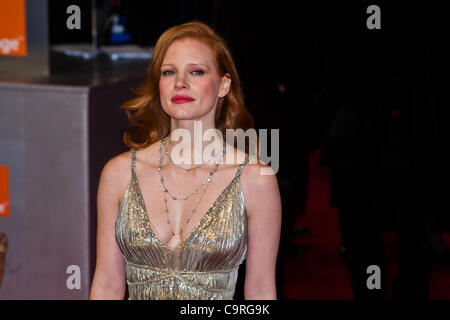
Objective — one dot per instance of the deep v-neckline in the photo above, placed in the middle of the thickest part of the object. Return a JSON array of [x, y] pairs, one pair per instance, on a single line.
[[182, 243]]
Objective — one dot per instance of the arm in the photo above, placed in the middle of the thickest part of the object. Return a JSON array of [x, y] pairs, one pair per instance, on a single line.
[[263, 207], [109, 276]]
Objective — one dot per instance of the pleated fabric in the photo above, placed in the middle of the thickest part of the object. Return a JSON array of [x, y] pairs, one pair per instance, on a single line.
[[203, 267]]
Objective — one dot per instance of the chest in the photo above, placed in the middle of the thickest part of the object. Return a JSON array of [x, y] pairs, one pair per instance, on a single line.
[[218, 238], [174, 207]]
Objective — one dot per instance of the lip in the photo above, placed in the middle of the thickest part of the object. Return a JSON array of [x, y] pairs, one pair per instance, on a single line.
[[182, 99]]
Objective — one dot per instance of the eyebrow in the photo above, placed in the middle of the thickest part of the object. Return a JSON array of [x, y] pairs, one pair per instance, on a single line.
[[189, 64]]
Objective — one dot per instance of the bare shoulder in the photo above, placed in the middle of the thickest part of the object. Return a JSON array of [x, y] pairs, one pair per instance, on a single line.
[[260, 187], [116, 174], [118, 165], [258, 175]]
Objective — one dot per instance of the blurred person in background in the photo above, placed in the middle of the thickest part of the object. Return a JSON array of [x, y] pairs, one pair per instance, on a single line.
[[382, 149]]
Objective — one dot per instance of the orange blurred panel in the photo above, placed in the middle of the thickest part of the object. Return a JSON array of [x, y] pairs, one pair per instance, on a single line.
[[13, 38], [4, 192]]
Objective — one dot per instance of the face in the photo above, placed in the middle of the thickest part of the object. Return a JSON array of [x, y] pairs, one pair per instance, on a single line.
[[190, 84]]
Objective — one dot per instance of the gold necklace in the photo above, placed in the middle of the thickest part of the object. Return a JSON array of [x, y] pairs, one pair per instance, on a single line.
[[204, 186]]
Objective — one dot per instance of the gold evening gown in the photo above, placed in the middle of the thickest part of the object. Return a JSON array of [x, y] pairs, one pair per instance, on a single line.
[[203, 267]]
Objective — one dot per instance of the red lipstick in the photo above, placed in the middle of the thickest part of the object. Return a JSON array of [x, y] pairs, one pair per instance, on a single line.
[[182, 99]]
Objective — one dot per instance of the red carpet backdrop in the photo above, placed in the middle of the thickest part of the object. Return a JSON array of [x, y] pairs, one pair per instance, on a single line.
[[321, 273]]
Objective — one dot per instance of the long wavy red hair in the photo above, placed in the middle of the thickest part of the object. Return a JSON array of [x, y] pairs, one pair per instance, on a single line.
[[147, 119]]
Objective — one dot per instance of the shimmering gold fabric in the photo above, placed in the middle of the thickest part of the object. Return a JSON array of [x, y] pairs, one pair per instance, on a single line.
[[203, 267]]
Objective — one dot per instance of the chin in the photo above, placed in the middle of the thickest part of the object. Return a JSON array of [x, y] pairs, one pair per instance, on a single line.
[[184, 117], [181, 113]]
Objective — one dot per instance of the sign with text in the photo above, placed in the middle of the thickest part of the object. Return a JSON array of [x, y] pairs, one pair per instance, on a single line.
[[13, 38], [4, 192]]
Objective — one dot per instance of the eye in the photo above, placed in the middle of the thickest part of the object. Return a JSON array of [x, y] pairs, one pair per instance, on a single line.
[[165, 73], [198, 72]]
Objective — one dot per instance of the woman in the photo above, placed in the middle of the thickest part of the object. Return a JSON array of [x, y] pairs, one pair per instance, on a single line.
[[177, 230]]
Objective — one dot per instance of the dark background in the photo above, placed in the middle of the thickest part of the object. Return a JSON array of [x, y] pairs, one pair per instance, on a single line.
[[372, 100], [298, 60]]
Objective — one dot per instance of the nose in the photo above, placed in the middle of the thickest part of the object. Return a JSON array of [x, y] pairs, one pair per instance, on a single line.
[[180, 83]]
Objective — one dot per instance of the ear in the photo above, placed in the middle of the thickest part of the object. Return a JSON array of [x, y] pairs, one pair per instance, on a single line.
[[225, 86]]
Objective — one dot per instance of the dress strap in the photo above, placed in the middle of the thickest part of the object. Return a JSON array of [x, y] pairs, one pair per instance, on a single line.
[[133, 160], [239, 171]]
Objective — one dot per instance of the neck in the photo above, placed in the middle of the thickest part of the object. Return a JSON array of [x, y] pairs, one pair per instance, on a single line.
[[194, 142]]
